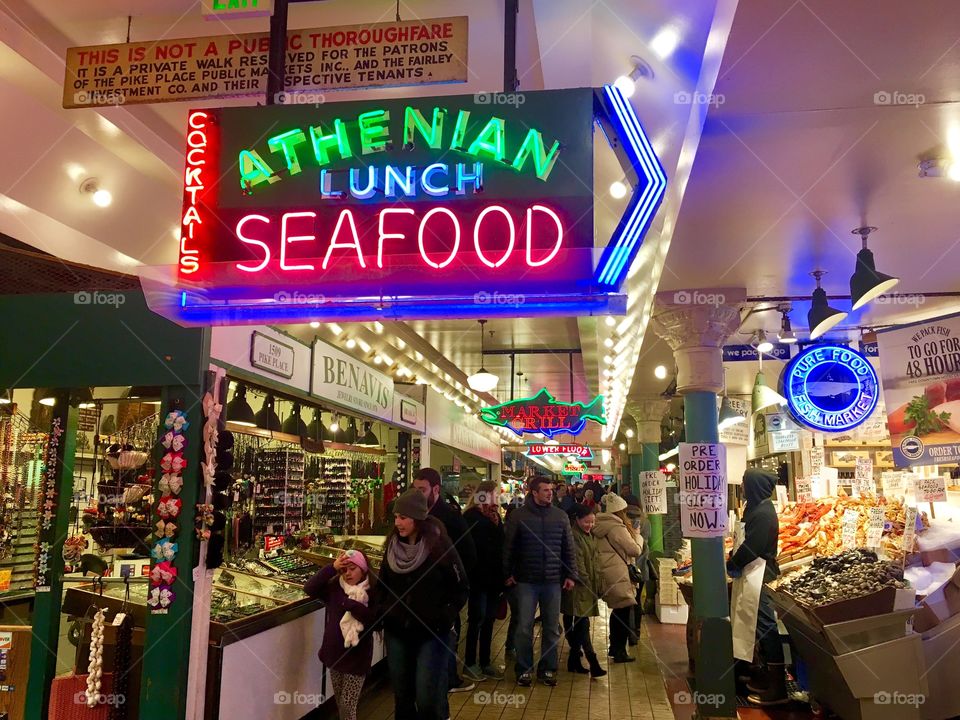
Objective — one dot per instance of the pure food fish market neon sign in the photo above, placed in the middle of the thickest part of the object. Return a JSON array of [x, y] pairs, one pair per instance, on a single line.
[[411, 208]]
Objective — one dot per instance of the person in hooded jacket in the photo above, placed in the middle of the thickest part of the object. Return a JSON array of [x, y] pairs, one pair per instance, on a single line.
[[421, 589], [619, 547], [580, 604], [761, 529]]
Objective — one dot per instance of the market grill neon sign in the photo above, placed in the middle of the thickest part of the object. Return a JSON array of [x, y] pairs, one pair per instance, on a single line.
[[544, 414]]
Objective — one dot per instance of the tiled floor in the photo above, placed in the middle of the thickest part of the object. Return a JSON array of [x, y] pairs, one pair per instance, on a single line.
[[630, 690]]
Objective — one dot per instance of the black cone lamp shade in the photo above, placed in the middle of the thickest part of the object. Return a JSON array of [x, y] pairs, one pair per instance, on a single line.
[[351, 432], [368, 439], [239, 410], [866, 283], [266, 417], [822, 317], [315, 431], [294, 424]]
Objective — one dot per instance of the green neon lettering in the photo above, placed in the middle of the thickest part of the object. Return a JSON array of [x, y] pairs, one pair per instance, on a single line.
[[459, 130], [373, 131], [337, 138], [533, 147], [489, 141], [253, 170], [218, 5], [413, 120], [287, 144]]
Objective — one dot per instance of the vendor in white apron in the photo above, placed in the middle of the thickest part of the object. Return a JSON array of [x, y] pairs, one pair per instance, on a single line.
[[752, 565]]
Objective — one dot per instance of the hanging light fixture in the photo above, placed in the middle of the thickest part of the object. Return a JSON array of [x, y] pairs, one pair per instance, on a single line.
[[786, 334], [368, 439], [239, 410], [728, 417], [351, 432], [6, 397], [316, 430], [482, 380], [293, 424], [762, 344], [822, 317], [763, 395], [266, 417], [866, 283]]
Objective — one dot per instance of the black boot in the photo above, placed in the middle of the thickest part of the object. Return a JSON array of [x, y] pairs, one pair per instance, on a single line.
[[574, 665], [622, 657], [775, 693], [595, 669]]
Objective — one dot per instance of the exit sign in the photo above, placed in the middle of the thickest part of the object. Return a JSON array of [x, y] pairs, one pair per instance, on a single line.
[[236, 8]]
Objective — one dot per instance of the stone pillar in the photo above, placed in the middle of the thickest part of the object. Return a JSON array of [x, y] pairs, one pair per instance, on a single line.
[[644, 449], [696, 332]]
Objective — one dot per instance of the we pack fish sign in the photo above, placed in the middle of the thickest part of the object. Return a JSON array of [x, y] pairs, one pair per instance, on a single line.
[[544, 414], [460, 206]]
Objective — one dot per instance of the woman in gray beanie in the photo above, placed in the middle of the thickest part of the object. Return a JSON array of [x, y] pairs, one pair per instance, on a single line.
[[422, 587]]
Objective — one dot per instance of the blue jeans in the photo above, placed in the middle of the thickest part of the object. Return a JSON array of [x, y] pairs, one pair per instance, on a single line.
[[547, 596], [418, 673], [514, 614], [481, 612]]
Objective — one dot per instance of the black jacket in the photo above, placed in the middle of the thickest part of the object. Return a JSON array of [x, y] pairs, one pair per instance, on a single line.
[[487, 537], [426, 599], [760, 524], [538, 545], [597, 490], [456, 527]]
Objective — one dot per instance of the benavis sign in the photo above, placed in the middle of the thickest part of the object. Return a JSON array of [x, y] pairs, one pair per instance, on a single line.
[[431, 207]]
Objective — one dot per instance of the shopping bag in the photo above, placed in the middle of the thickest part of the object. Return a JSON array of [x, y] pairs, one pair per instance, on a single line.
[[743, 609]]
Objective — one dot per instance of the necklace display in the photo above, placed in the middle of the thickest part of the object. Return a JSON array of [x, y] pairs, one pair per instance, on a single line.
[[95, 667], [45, 510]]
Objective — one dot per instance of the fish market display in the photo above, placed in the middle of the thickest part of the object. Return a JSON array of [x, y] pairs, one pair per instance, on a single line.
[[850, 574]]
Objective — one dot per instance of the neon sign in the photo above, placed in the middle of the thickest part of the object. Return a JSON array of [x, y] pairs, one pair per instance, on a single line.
[[540, 449], [404, 209], [831, 388], [573, 467], [545, 415]]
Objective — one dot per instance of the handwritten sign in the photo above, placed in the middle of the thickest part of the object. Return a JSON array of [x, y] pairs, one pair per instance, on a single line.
[[851, 519], [876, 521], [863, 477], [931, 489], [893, 483], [909, 530], [804, 489], [703, 490], [653, 491]]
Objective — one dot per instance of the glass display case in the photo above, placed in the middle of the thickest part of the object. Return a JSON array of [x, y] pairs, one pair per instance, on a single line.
[[238, 595], [370, 545]]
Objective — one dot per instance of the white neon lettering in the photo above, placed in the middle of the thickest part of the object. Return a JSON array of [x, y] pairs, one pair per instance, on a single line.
[[253, 241], [389, 236], [193, 116], [334, 243], [284, 239], [428, 187], [194, 163], [456, 239], [476, 235], [192, 183], [192, 140], [556, 248], [370, 189], [407, 182]]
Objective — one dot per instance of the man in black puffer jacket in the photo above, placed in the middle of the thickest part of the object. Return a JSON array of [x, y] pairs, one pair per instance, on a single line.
[[761, 529], [538, 557]]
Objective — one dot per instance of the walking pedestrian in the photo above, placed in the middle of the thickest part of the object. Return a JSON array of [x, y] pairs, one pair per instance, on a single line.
[[641, 525], [538, 558], [580, 604], [427, 481], [422, 588], [347, 647], [619, 548], [485, 527]]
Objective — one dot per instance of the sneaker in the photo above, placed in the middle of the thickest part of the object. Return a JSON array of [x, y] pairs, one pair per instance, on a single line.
[[525, 679], [492, 672], [473, 673], [548, 678], [462, 685]]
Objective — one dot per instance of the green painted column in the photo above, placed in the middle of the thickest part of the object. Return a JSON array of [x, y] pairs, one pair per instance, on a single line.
[[647, 411], [696, 325], [46, 608], [649, 459]]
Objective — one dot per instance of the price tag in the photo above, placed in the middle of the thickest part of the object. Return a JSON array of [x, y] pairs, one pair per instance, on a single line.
[[804, 489], [851, 519], [816, 460], [909, 530], [893, 483], [782, 498], [875, 524], [863, 478], [931, 489]]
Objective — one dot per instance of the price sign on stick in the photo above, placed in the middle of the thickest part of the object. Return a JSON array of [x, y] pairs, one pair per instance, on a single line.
[[804, 489], [851, 519], [863, 478], [875, 524], [909, 532]]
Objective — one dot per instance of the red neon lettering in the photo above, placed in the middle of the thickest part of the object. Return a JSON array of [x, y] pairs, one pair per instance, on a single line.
[[456, 240], [284, 239], [348, 216], [253, 241], [389, 236], [556, 248], [476, 235]]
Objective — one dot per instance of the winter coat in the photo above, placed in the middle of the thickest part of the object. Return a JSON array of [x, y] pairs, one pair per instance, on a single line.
[[487, 537], [357, 659], [567, 502], [538, 545], [426, 599], [456, 528], [582, 600], [761, 526], [618, 546]]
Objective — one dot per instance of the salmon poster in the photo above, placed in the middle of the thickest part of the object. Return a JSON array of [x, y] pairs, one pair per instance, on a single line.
[[920, 367]]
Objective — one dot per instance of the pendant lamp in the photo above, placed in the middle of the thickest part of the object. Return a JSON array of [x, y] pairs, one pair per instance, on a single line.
[[239, 410], [786, 334], [315, 428], [351, 432], [482, 380], [763, 395], [6, 397], [866, 283], [266, 417], [822, 317], [293, 424], [368, 439], [728, 417]]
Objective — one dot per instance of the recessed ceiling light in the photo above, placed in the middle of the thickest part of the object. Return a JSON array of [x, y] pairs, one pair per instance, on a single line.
[[314, 324], [665, 42], [660, 372], [618, 189]]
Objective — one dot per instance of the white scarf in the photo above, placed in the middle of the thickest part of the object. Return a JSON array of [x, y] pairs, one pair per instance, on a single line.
[[349, 625]]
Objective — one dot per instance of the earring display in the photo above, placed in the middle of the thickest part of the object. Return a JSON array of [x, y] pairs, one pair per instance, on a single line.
[[278, 497]]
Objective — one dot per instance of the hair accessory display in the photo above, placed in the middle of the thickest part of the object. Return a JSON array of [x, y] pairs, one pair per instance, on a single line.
[[163, 574], [174, 441], [169, 507], [165, 550], [161, 597], [171, 484], [73, 548], [176, 420], [173, 462], [165, 529], [95, 666]]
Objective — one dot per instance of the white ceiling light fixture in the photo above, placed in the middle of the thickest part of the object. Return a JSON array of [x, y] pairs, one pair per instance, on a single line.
[[314, 324], [608, 343], [99, 196], [627, 84], [610, 321], [763, 345], [786, 334], [618, 189], [665, 42], [660, 372], [483, 380], [351, 343]]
